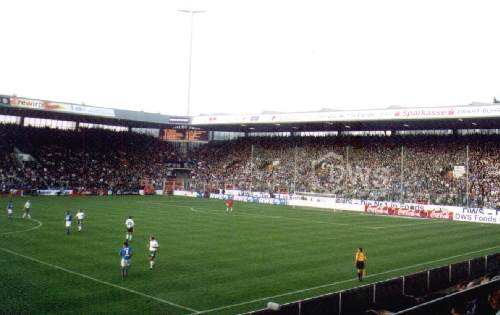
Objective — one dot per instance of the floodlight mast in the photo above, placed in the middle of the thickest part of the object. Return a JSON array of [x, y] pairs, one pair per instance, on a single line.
[[192, 13]]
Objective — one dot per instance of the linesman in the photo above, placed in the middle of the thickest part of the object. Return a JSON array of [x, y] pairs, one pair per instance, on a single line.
[[360, 261]]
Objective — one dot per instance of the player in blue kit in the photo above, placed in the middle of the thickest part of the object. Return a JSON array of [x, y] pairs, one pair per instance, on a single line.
[[10, 210], [126, 255], [68, 219]]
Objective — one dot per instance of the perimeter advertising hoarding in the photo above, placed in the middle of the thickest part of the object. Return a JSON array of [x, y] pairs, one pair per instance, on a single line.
[[479, 215], [252, 199], [450, 112], [454, 213], [60, 107]]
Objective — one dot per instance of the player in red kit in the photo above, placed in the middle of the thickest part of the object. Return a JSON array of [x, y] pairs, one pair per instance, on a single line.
[[229, 205]]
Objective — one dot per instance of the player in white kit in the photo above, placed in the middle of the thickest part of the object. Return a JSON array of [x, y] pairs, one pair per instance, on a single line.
[[129, 223], [80, 215], [27, 210], [153, 250]]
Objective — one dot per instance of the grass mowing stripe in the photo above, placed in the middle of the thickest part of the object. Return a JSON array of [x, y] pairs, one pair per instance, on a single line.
[[436, 221], [358, 215], [408, 225], [343, 281], [209, 258], [99, 281], [241, 214]]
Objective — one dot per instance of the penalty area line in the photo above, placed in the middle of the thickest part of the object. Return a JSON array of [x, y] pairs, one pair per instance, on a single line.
[[341, 282], [100, 281]]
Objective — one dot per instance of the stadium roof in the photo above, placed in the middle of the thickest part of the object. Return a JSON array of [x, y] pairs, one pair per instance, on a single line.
[[472, 116], [13, 105]]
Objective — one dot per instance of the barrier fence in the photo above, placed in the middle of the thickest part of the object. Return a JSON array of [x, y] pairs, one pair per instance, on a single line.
[[397, 294], [445, 303]]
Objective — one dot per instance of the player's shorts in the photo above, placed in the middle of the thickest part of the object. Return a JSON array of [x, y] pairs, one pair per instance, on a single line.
[[152, 254], [68, 223], [80, 222], [130, 230], [125, 263], [9, 211], [360, 265], [27, 210]]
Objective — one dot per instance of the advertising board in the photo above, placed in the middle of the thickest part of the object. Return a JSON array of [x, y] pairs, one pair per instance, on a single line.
[[423, 113], [21, 102]]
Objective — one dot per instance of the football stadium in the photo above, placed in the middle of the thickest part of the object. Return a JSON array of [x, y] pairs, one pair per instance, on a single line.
[[221, 157], [379, 211]]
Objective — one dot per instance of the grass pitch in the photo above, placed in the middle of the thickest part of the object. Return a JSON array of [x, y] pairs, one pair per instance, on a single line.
[[209, 262]]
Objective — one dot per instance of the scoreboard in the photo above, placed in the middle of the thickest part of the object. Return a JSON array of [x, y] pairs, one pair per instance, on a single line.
[[198, 135], [171, 134]]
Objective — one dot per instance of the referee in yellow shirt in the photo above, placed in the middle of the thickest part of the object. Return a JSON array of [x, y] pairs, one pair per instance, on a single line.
[[360, 261]]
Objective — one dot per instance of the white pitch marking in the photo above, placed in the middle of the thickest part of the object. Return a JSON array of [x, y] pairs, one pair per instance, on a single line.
[[99, 281], [30, 229], [436, 221], [341, 282], [40, 224], [344, 212], [242, 214]]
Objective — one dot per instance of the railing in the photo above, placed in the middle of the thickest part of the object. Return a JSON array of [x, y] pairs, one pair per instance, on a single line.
[[395, 294], [445, 303]]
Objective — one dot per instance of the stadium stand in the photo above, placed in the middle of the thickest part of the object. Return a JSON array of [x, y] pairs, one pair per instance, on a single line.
[[94, 160], [88, 160], [356, 167]]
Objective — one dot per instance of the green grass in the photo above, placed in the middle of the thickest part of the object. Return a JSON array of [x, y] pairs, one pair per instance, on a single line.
[[209, 259]]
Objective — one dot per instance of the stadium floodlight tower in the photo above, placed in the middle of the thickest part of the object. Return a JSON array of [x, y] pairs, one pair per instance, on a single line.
[[192, 13]]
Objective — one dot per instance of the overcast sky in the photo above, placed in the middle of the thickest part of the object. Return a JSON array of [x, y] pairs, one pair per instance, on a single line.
[[251, 55]]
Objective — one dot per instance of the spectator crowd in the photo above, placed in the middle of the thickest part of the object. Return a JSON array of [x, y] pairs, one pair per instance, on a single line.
[[88, 160], [410, 168], [424, 169]]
